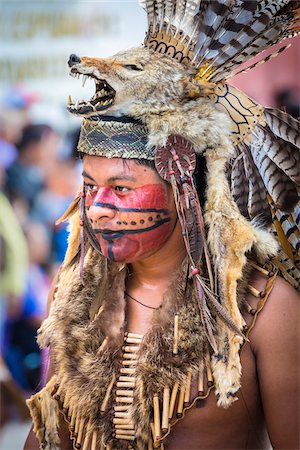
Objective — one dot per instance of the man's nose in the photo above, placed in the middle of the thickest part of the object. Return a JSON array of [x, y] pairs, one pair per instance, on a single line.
[[100, 212], [74, 59]]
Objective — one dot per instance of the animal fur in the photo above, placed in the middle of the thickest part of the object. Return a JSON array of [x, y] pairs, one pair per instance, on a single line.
[[80, 319]]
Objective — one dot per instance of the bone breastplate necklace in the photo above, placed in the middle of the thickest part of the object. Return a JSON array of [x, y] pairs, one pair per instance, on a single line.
[[123, 425]]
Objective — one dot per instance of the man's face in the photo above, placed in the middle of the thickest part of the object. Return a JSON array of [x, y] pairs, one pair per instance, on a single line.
[[130, 208]]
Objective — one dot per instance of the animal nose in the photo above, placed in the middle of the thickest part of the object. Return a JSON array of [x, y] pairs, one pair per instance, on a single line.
[[74, 59]]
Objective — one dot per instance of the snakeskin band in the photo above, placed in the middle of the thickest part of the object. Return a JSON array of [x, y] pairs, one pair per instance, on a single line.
[[115, 137]]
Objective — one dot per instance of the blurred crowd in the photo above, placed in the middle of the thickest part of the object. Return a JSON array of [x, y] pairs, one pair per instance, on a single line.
[[39, 177]]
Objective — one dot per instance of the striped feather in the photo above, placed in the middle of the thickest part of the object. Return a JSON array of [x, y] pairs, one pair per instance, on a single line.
[[289, 270], [241, 30], [212, 20], [190, 13], [279, 186], [258, 205], [261, 61], [240, 184], [290, 229], [283, 125], [296, 213], [234, 57], [285, 155]]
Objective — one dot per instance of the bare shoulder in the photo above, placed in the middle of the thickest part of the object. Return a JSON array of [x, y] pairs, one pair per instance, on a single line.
[[280, 317], [275, 343]]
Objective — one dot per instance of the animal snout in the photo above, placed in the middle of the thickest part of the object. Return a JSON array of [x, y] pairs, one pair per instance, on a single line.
[[74, 59]]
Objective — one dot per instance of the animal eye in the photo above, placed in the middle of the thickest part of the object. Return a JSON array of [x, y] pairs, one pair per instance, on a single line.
[[133, 67]]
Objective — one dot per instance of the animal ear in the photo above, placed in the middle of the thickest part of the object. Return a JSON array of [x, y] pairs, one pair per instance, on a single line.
[[195, 87]]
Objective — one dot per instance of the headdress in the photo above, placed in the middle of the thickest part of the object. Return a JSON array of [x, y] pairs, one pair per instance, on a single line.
[[168, 101]]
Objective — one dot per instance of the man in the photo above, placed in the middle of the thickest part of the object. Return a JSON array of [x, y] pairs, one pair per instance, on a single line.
[[153, 309]]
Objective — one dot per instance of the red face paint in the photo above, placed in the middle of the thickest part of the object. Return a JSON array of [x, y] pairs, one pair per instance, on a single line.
[[133, 225]]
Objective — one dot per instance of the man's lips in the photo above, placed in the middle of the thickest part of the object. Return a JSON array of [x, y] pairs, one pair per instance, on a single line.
[[109, 235]]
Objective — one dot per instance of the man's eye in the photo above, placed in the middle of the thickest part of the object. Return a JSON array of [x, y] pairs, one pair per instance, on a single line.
[[121, 189], [91, 188]]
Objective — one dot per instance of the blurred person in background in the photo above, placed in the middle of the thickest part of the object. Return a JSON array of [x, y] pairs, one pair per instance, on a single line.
[[289, 100], [13, 267], [20, 99], [22, 354], [26, 176], [61, 182], [11, 125]]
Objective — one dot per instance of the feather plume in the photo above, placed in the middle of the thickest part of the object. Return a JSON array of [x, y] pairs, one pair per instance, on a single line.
[[280, 187], [260, 62], [194, 229], [240, 184], [290, 229], [219, 309], [285, 155], [257, 201], [283, 126]]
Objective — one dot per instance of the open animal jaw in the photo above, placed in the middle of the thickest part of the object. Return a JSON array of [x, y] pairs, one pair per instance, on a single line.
[[102, 99], [129, 83]]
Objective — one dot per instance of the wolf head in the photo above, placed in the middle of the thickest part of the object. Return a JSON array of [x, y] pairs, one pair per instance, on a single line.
[[135, 82]]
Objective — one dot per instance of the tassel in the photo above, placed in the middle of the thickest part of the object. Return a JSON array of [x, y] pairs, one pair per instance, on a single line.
[[188, 388], [107, 394], [200, 379], [181, 400], [87, 437], [205, 315], [94, 441], [82, 215], [165, 414], [175, 344], [173, 399], [157, 430], [210, 380], [80, 433]]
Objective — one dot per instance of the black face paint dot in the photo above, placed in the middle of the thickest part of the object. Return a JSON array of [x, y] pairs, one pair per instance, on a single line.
[[142, 221], [119, 223], [133, 223], [158, 216], [125, 223], [150, 219]]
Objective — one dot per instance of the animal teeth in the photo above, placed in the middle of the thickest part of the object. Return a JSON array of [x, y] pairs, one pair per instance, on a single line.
[[77, 104], [84, 78], [105, 103], [70, 100]]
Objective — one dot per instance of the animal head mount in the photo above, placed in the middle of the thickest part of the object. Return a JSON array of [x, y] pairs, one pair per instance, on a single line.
[[135, 82]]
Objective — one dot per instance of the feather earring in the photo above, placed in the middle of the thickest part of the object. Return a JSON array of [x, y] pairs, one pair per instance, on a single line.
[[176, 164], [82, 215]]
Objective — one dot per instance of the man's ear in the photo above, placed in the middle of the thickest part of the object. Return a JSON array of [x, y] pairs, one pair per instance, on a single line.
[[195, 87]]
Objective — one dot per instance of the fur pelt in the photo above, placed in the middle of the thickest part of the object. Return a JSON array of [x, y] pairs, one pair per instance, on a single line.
[[80, 320]]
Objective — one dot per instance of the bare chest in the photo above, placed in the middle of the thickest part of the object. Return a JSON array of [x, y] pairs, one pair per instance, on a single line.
[[241, 426]]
